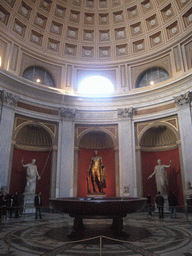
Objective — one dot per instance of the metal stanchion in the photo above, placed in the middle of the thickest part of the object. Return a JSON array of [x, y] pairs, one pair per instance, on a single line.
[[100, 245]]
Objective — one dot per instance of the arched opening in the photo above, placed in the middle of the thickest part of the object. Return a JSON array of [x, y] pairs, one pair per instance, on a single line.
[[160, 142], [101, 141], [39, 75], [152, 76], [32, 142]]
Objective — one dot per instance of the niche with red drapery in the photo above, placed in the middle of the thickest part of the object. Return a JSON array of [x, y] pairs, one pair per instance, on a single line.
[[33, 141], [102, 142], [160, 142], [18, 174]]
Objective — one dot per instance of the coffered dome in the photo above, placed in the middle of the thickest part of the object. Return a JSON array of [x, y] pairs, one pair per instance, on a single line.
[[96, 30]]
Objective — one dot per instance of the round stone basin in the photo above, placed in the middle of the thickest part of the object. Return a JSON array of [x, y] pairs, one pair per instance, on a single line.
[[98, 206]]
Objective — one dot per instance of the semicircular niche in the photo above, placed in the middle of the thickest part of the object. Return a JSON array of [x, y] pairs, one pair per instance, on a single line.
[[34, 136], [158, 136], [96, 140]]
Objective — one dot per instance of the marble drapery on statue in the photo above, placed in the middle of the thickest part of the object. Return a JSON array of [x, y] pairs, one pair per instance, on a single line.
[[98, 174], [161, 177], [31, 176]]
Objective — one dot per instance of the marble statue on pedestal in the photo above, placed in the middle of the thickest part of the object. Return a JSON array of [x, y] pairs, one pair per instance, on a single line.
[[31, 176], [161, 177]]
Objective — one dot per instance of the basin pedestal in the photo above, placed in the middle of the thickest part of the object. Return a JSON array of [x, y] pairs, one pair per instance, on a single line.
[[115, 208]]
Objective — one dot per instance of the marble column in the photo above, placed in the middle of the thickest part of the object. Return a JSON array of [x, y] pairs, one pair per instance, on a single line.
[[139, 172], [75, 178], [53, 172], [8, 103], [65, 160], [185, 125], [126, 152], [117, 183]]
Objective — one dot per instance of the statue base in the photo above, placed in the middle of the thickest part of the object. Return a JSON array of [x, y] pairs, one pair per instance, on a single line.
[[100, 194], [29, 202]]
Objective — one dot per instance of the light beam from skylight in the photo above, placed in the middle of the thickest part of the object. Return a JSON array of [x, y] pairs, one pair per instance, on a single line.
[[96, 86]]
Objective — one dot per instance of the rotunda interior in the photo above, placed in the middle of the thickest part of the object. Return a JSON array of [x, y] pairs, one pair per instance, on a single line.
[[49, 47]]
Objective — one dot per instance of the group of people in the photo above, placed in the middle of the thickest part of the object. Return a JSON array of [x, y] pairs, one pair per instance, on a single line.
[[11, 204], [160, 201]]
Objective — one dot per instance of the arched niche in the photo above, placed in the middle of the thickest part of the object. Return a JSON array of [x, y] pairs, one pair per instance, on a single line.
[[104, 139], [160, 140], [32, 140]]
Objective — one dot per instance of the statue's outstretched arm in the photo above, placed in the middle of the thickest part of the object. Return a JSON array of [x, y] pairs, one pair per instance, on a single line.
[[150, 176], [38, 176], [167, 166]]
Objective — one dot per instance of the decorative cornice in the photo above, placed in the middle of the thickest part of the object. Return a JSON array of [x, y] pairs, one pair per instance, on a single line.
[[8, 99], [183, 99], [67, 113], [125, 112]]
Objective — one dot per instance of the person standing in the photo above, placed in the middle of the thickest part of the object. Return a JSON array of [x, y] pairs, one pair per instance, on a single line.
[[16, 204], [149, 205], [173, 202], [159, 199], [38, 205], [4, 203]]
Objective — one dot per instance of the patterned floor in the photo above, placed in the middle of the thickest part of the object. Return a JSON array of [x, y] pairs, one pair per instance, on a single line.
[[49, 236]]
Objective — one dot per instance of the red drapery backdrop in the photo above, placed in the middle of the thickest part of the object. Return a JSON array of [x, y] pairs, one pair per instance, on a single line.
[[85, 156], [18, 174], [149, 160]]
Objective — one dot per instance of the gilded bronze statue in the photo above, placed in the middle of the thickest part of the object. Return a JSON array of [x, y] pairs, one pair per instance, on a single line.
[[98, 174]]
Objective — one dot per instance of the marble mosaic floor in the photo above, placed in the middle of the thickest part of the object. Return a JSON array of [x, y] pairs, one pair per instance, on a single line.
[[49, 236]]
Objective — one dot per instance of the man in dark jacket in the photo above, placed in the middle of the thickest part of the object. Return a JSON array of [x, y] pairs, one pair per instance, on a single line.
[[172, 199], [38, 205], [16, 204], [159, 199]]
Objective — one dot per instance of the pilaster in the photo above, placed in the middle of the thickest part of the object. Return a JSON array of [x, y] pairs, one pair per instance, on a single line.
[[185, 125], [8, 103], [65, 166], [126, 156]]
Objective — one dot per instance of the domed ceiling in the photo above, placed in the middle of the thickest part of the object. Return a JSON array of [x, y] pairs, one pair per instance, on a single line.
[[96, 30]]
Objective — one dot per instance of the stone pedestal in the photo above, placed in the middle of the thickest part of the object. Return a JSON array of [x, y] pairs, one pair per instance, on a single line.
[[100, 194], [29, 202]]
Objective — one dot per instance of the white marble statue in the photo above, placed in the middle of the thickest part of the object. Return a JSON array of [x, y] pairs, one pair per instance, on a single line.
[[161, 177], [31, 176], [188, 190]]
